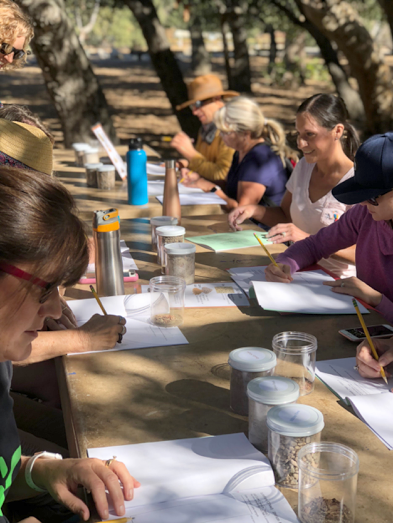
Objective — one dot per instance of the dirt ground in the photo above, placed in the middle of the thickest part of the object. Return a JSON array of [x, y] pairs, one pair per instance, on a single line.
[[139, 104]]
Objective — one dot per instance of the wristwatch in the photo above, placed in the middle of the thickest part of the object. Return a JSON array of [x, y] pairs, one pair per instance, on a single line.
[[30, 465], [215, 188]]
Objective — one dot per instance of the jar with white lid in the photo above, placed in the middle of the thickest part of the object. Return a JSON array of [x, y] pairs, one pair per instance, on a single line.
[[167, 234], [106, 177], [79, 149], [246, 364], [290, 427], [160, 221], [91, 155], [264, 394], [91, 173], [180, 261]]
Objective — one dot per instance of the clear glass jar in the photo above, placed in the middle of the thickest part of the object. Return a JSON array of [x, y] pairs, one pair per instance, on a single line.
[[167, 234], [296, 354], [167, 300], [327, 483], [79, 149], [290, 428], [91, 173], [264, 394], [246, 364], [180, 261], [106, 177], [160, 221]]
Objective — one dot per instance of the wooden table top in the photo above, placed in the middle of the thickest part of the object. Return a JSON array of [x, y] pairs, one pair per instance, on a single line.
[[177, 392]]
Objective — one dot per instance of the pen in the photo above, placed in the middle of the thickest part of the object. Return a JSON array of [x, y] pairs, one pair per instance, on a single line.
[[267, 252], [98, 300], [370, 341]]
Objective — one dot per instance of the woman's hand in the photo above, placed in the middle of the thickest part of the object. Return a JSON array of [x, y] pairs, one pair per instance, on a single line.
[[356, 288], [101, 332], [286, 232], [62, 478], [281, 274], [188, 177], [238, 215], [368, 366], [192, 179], [66, 321]]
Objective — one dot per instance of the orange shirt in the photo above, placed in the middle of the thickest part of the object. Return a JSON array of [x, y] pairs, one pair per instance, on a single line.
[[214, 160]]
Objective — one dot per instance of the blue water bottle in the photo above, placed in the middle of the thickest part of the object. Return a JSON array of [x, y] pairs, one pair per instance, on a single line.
[[136, 173]]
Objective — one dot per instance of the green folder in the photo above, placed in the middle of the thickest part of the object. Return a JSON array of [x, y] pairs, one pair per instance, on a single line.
[[229, 241]]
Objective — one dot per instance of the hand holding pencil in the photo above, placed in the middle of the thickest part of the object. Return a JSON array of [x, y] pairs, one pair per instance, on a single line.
[[368, 366], [277, 272]]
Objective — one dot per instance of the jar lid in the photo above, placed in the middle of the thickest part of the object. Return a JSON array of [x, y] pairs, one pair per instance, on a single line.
[[163, 220], [295, 420], [170, 230], [180, 248], [273, 390], [91, 150], [252, 359], [93, 165], [106, 168], [80, 146]]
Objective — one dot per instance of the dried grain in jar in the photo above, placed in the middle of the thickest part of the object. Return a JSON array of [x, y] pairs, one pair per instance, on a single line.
[[160, 221], [91, 173], [168, 234], [180, 261]]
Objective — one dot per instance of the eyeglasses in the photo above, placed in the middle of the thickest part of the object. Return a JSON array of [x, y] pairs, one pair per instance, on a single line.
[[200, 103], [23, 275], [225, 133], [8, 49], [373, 201]]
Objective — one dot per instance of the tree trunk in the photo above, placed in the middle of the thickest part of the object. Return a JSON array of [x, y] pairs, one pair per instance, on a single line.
[[338, 21], [294, 58], [224, 30], [69, 77], [164, 62], [273, 48], [200, 58], [387, 6], [241, 71]]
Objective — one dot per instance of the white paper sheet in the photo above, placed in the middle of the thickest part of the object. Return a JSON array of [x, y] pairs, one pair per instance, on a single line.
[[205, 198], [376, 411], [155, 169], [156, 188], [140, 333], [171, 470], [127, 259], [305, 298], [342, 378], [224, 294], [243, 276]]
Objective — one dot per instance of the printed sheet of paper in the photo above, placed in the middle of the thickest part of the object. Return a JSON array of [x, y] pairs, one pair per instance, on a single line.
[[342, 378], [376, 411], [140, 333], [114, 156], [243, 276], [196, 198], [156, 169], [223, 294], [228, 241], [171, 470], [304, 298], [127, 259]]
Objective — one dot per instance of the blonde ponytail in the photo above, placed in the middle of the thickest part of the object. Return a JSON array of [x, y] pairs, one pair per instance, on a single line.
[[274, 135]]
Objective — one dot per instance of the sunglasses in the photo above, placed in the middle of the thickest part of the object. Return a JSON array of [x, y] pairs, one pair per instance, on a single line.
[[48, 288], [373, 201], [8, 49], [200, 103]]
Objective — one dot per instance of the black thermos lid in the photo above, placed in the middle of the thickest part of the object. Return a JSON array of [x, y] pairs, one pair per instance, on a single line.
[[135, 143]]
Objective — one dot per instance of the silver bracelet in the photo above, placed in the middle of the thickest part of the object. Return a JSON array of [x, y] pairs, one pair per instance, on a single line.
[[30, 465]]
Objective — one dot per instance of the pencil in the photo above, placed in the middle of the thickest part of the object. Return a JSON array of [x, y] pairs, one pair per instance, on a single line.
[[267, 252], [98, 300], [182, 180], [121, 520], [166, 138], [370, 341]]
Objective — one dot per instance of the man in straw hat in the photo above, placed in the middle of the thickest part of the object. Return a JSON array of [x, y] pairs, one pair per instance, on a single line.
[[210, 157]]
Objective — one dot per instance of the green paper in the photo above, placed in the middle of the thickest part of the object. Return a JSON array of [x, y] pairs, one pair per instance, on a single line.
[[229, 241]]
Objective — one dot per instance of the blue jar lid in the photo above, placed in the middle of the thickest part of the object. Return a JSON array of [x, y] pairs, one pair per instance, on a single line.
[[273, 390], [295, 420], [252, 359]]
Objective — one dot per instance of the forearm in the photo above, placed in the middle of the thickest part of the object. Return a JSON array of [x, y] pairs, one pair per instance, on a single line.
[[19, 488], [270, 216]]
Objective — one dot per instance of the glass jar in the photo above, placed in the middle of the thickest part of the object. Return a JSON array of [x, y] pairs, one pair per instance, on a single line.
[[246, 364], [264, 394], [167, 234], [91, 155], [327, 483], [296, 354], [159, 221], [167, 300], [290, 428], [180, 261], [91, 173], [106, 177], [79, 149]]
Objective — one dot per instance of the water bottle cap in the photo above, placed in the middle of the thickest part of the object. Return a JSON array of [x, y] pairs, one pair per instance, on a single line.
[[135, 143], [104, 221]]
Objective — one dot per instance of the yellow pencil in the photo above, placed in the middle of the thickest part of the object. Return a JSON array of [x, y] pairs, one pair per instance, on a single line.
[[98, 300], [370, 341], [267, 252], [166, 138], [189, 172], [121, 520]]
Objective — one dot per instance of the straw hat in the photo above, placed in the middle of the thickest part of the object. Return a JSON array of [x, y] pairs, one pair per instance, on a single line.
[[204, 87], [27, 144]]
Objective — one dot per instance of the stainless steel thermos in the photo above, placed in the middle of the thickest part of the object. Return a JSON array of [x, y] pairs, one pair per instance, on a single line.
[[108, 262]]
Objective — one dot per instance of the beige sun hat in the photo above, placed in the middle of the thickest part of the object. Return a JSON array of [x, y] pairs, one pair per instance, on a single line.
[[204, 87], [27, 144]]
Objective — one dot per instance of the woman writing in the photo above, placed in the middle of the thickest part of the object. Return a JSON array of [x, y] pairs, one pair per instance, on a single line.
[[328, 143], [258, 173]]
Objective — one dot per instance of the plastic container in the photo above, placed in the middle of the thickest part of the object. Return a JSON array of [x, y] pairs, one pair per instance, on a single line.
[[159, 221], [180, 261], [136, 173], [296, 353], [91, 155], [167, 300], [91, 173], [327, 483], [246, 364], [264, 394], [106, 177], [290, 428], [167, 234], [79, 149]]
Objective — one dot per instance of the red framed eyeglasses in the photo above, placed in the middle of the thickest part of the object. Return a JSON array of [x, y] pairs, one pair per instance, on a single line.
[[48, 288]]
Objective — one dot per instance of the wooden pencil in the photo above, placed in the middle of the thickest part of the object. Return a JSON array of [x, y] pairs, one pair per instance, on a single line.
[[267, 252], [98, 300]]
